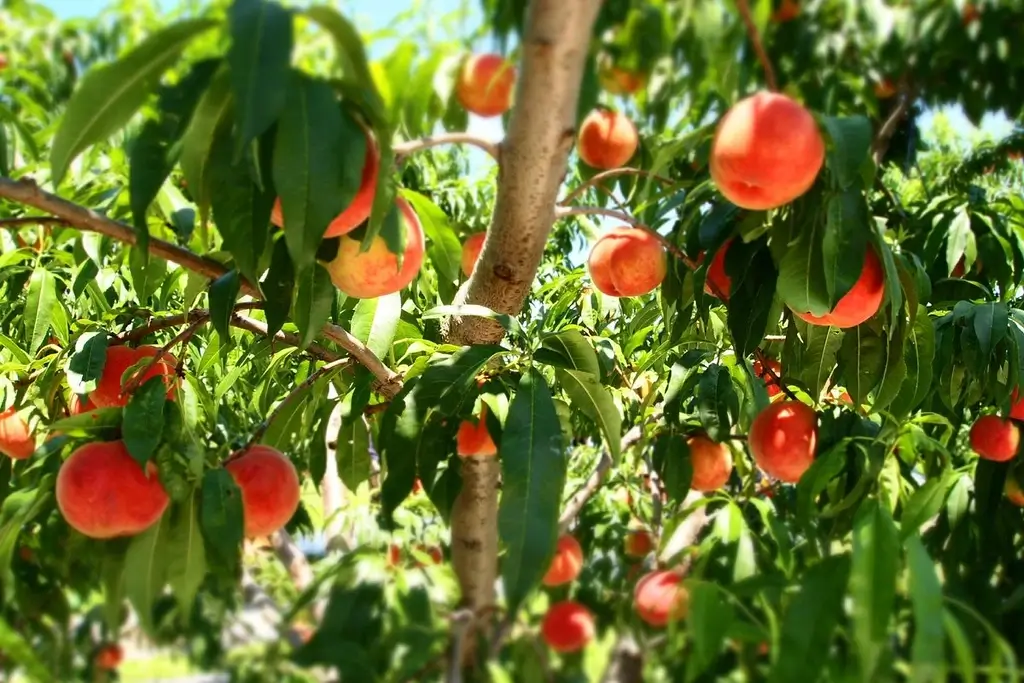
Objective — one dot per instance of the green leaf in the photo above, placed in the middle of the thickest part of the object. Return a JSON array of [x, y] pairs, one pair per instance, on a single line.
[[16, 351], [510, 324], [444, 251], [990, 326], [18, 651], [815, 360], [143, 425], [707, 622], [861, 361], [587, 394], [407, 436], [220, 515], [717, 402], [919, 356], [574, 349], [876, 562], [962, 648], [145, 570], [197, 143], [817, 477], [960, 240], [851, 141], [112, 577], [39, 303], [447, 384], [754, 279], [260, 59], [278, 287], [844, 244], [186, 556], [108, 96], [672, 462], [810, 621], [353, 453], [352, 626], [313, 300], [375, 322], [924, 503], [802, 283], [223, 295], [533, 468], [90, 424], [314, 171], [895, 369], [928, 658]]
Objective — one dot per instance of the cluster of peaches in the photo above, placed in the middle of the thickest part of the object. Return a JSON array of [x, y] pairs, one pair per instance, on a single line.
[[103, 492]]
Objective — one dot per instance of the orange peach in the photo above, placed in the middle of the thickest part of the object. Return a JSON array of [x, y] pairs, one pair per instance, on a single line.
[[607, 139], [376, 272], [771, 385], [394, 555], [485, 85], [712, 463], [78, 404], [16, 440], [639, 543], [783, 438], [1013, 491], [788, 10], [270, 489], [994, 438], [970, 14], [473, 439], [471, 251], [627, 262], [1017, 408], [568, 626], [860, 303], [620, 81], [884, 89], [358, 211], [766, 152], [659, 598], [716, 280], [566, 564], [109, 657], [119, 358], [103, 492]]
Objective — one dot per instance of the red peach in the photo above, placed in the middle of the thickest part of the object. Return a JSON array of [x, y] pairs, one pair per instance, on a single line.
[[473, 439], [119, 358], [485, 85], [994, 438], [712, 463], [568, 626], [861, 302], [471, 251], [783, 438], [270, 489], [660, 597], [607, 139], [79, 404], [639, 543], [717, 280], [1013, 490], [16, 440], [567, 562], [788, 11], [771, 385], [1017, 409], [627, 262], [109, 657], [620, 81]]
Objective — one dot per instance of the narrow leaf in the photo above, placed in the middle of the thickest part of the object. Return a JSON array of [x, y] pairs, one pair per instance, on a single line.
[[223, 295], [186, 556], [587, 394], [143, 424], [145, 570], [375, 322], [39, 303], [876, 561], [928, 649], [220, 514], [313, 299], [353, 453]]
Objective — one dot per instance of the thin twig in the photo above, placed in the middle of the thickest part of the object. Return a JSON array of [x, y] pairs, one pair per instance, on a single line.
[[462, 620], [158, 324], [755, 42], [31, 220], [406, 148], [598, 179], [766, 368], [182, 336], [880, 145]]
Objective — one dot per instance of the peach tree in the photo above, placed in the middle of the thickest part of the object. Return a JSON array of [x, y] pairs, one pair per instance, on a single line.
[[707, 369]]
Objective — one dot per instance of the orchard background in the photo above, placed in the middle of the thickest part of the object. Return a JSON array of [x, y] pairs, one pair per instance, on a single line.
[[322, 439]]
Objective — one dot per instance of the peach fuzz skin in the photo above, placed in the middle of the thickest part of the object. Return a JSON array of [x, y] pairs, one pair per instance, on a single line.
[[783, 438], [359, 210], [717, 278], [639, 543], [607, 139], [627, 262], [485, 85], [860, 303], [566, 564], [660, 598], [103, 492], [994, 438], [376, 272], [568, 626], [471, 252], [120, 358], [474, 438], [767, 151], [270, 489], [15, 438], [712, 463]]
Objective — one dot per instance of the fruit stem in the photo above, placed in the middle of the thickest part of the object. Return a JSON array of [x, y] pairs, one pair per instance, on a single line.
[[404, 149], [755, 42]]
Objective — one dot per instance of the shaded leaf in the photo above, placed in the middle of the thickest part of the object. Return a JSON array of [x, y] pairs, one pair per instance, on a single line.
[[876, 561], [314, 297], [927, 659], [223, 295], [587, 394], [220, 515], [39, 304], [143, 425], [145, 570], [353, 453], [278, 287]]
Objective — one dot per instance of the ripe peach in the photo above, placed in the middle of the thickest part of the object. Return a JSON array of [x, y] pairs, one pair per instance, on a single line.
[[627, 262], [109, 657], [374, 273], [766, 152], [120, 358], [861, 302], [884, 89], [78, 404], [567, 562], [103, 492], [485, 85], [639, 543], [970, 14], [270, 489], [434, 552], [1015, 156], [1017, 410], [771, 385], [619, 81], [3, 62], [1013, 490], [394, 555], [782, 439], [358, 211], [788, 11], [994, 438], [471, 251], [607, 139], [474, 438], [659, 598], [15, 438], [568, 626], [712, 463], [717, 280]]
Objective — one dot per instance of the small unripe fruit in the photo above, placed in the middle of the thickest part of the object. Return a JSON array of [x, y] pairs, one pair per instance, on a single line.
[[119, 358], [627, 262], [608, 139], [485, 85], [639, 543], [471, 252], [16, 440], [566, 564], [994, 438], [712, 463], [568, 626], [659, 598], [270, 489], [783, 438], [860, 303]]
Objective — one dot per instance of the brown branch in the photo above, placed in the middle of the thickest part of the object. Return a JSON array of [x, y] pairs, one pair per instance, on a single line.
[[598, 179], [293, 559], [129, 387], [404, 149], [880, 145], [755, 42], [766, 368], [158, 324], [31, 220]]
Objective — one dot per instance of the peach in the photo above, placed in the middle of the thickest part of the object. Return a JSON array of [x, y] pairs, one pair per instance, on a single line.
[[109, 657], [79, 404], [471, 251], [861, 302], [103, 492], [639, 543], [712, 463], [1013, 491], [607, 139], [434, 552], [970, 14], [567, 562], [485, 85], [771, 385], [766, 152], [994, 438], [376, 272], [358, 211], [474, 439], [270, 489], [394, 555], [568, 626], [783, 438], [627, 262], [884, 89], [119, 358], [716, 280], [15, 438], [1017, 409], [788, 10], [619, 81], [659, 598]]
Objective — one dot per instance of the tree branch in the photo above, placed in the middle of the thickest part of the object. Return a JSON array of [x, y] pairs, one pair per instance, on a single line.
[[131, 385], [158, 324], [31, 220], [755, 42], [293, 559], [404, 149], [599, 179], [880, 145]]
